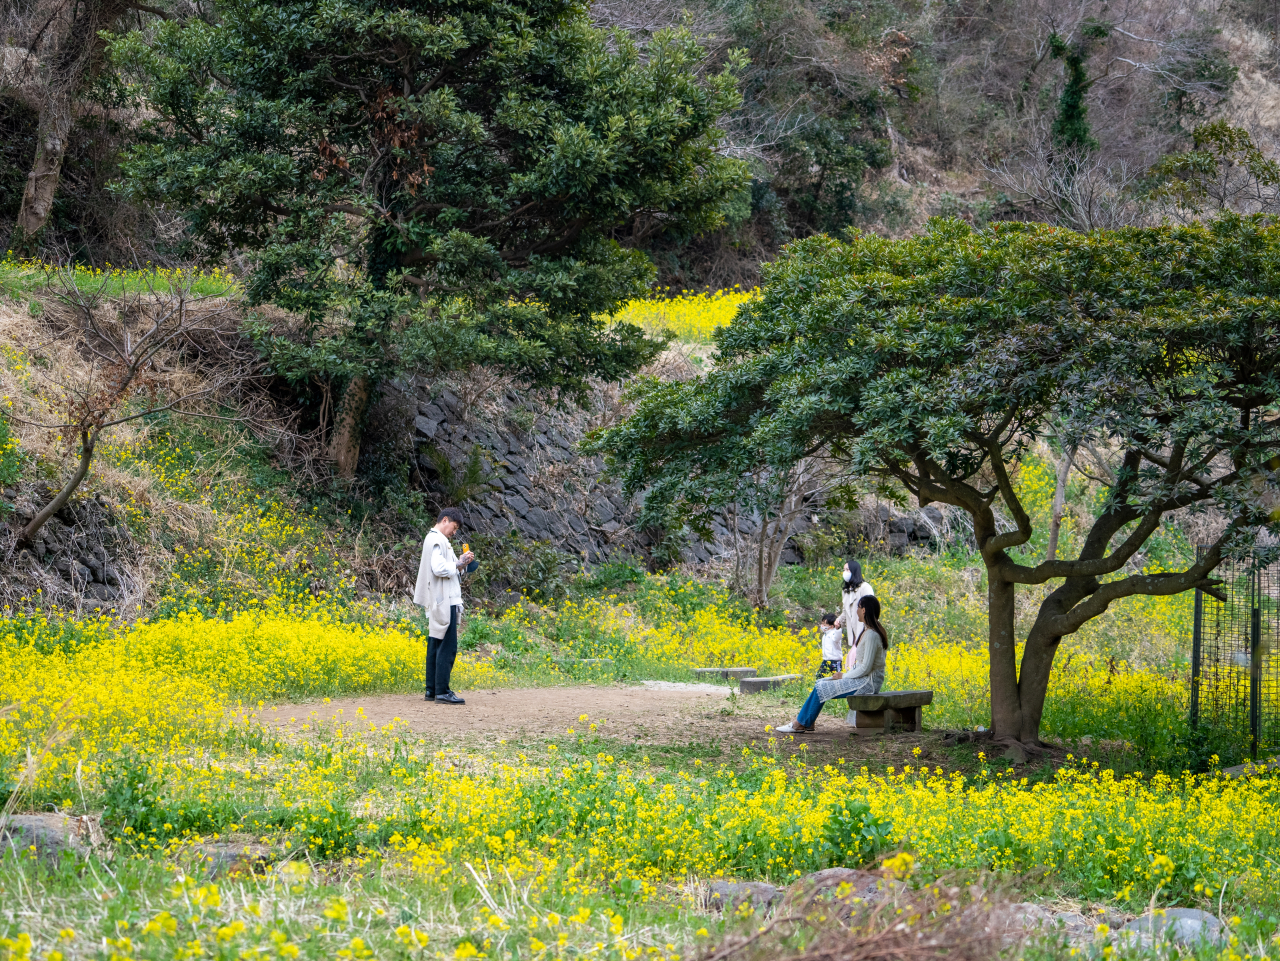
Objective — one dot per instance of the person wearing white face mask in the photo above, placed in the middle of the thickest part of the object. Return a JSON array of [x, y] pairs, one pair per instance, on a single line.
[[855, 589], [863, 674]]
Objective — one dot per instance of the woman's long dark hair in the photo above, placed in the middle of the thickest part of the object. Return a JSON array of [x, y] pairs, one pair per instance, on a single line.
[[855, 579], [871, 618]]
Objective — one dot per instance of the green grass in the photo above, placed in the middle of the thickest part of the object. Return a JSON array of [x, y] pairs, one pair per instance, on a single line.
[[24, 277]]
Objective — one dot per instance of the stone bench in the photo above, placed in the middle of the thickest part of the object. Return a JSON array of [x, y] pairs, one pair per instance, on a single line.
[[725, 673], [888, 711], [754, 685]]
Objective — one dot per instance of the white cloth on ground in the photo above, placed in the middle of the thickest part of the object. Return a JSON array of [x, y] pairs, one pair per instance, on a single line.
[[439, 586], [832, 649], [849, 601], [865, 677]]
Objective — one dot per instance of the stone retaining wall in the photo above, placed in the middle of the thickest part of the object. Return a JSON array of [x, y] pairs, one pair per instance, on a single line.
[[543, 489], [78, 559], [538, 485]]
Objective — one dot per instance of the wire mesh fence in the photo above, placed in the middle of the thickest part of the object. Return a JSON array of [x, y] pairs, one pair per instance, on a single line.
[[1235, 670]]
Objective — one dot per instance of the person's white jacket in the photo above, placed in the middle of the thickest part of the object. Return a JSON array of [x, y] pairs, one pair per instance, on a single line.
[[849, 619], [439, 586]]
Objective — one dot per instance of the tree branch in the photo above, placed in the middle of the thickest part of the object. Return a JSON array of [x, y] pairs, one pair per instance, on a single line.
[[1159, 585]]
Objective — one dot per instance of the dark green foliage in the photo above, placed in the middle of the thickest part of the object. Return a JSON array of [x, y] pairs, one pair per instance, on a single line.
[[611, 577], [511, 564], [1224, 170], [853, 836], [433, 185], [823, 172], [479, 629], [836, 111], [10, 458], [132, 808], [937, 361], [1071, 125], [454, 486]]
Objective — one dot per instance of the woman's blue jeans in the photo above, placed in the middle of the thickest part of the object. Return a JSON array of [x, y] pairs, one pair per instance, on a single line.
[[810, 710]]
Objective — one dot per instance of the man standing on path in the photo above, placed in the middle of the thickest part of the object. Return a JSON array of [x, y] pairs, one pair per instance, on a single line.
[[439, 590]]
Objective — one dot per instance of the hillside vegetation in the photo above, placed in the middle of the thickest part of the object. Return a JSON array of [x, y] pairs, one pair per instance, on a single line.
[[685, 305], [873, 115]]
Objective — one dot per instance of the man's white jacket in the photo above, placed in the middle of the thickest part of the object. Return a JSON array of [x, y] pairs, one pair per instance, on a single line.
[[439, 586]]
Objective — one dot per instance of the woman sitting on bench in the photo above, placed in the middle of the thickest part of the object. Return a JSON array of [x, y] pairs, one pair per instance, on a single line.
[[864, 669]]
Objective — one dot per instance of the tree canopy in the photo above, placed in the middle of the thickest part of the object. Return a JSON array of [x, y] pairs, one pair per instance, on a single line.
[[937, 361], [435, 184]]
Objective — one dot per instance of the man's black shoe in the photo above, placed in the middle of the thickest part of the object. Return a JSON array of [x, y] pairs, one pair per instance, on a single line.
[[449, 698], [429, 697]]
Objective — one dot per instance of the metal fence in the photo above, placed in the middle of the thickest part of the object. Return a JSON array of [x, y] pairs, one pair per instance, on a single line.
[[1235, 670]]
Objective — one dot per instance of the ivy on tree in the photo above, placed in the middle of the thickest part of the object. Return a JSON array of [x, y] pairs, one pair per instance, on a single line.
[[1071, 125], [937, 361], [432, 184]]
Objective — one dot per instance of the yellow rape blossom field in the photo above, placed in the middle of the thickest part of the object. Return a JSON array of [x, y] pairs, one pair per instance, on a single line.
[[563, 844], [689, 317], [229, 834], [19, 275]]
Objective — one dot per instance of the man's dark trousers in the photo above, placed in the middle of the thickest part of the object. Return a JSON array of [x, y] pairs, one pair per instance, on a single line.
[[441, 653]]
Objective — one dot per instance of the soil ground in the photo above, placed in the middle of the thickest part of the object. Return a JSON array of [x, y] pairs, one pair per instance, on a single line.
[[671, 722]]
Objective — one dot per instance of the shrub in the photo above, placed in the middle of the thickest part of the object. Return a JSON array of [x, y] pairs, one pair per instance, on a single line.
[[512, 564], [10, 458], [131, 805]]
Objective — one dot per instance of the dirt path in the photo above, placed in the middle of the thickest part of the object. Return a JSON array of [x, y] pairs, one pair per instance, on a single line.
[[545, 711], [656, 713]]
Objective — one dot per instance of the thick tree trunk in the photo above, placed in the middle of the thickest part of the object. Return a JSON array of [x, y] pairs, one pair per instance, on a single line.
[[52, 134], [88, 441], [1033, 682], [1006, 708], [344, 446]]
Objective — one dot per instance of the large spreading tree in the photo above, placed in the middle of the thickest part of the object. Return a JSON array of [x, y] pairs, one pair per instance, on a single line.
[[936, 362], [432, 183]]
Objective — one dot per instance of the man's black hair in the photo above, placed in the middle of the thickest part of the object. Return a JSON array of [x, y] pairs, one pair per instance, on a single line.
[[452, 513], [828, 618]]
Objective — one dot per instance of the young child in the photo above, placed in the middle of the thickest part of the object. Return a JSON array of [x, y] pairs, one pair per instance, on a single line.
[[832, 646]]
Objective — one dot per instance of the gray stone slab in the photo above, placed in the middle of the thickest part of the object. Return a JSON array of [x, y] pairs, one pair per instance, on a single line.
[[426, 426], [754, 685], [231, 857], [1251, 768], [101, 592], [1185, 926], [47, 835], [726, 673], [851, 884], [728, 895], [887, 699]]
